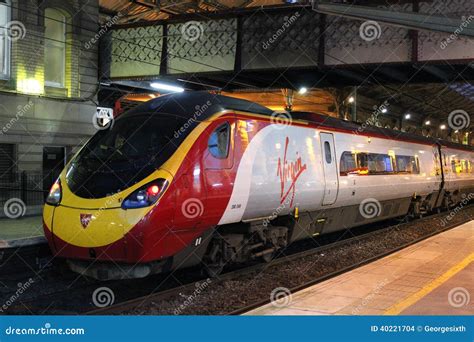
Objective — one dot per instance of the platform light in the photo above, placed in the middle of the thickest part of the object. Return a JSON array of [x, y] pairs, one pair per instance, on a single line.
[[443, 126], [167, 87], [302, 90], [427, 122], [351, 99], [407, 116]]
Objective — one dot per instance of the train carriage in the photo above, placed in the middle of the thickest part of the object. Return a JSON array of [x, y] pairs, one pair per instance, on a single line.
[[198, 178]]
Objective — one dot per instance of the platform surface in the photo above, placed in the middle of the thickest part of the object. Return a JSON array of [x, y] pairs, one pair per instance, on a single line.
[[432, 277], [22, 231]]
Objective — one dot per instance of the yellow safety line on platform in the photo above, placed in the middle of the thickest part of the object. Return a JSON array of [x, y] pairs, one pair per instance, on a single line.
[[399, 307]]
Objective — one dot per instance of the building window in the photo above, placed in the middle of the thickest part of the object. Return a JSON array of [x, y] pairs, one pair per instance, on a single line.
[[54, 48], [4, 42]]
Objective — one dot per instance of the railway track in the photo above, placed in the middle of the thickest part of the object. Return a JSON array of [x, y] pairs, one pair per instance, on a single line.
[[172, 298], [23, 258], [65, 292]]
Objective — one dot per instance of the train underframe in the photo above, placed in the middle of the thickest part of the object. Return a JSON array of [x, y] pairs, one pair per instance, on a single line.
[[253, 240], [262, 239]]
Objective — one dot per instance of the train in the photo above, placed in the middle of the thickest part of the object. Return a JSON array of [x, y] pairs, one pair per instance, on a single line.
[[200, 179]]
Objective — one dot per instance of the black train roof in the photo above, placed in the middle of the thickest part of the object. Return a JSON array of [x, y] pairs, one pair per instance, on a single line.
[[186, 104], [200, 105]]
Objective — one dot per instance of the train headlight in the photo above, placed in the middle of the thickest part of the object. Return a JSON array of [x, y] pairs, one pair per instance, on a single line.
[[146, 195], [55, 194]]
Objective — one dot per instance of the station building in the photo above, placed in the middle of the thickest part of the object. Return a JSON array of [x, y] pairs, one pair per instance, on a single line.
[[48, 86]]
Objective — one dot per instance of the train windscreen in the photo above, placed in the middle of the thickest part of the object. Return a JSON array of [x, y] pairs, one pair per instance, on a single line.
[[122, 155]]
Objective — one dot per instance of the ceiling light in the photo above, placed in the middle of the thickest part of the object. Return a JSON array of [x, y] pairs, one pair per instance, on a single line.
[[407, 116], [167, 87], [303, 90], [427, 122], [384, 110], [443, 126]]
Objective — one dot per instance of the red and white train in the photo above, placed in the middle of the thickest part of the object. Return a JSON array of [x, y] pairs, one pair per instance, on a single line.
[[196, 178]]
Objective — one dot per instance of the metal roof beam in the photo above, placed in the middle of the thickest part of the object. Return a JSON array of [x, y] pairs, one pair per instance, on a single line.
[[416, 21]]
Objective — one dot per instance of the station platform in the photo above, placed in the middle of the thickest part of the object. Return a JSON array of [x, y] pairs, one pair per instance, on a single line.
[[432, 277], [25, 231]]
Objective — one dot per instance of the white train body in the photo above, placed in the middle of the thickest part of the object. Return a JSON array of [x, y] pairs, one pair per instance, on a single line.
[[288, 168]]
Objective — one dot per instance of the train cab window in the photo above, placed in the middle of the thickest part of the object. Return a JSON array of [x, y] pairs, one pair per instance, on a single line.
[[327, 152], [219, 141]]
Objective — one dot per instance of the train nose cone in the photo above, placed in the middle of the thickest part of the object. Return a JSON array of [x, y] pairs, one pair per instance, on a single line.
[[75, 232]]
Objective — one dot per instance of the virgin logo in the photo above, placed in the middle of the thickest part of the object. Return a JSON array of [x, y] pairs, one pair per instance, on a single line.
[[289, 172]]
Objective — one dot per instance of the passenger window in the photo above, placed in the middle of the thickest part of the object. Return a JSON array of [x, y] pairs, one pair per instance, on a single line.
[[362, 162], [379, 163], [348, 164], [407, 164], [219, 141], [327, 152]]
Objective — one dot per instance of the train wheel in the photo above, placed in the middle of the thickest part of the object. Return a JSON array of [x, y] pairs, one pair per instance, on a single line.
[[213, 271], [268, 257]]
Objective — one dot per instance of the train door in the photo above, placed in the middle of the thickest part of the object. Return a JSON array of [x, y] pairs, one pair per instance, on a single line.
[[218, 163], [331, 180]]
